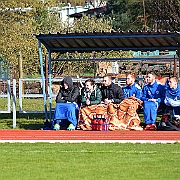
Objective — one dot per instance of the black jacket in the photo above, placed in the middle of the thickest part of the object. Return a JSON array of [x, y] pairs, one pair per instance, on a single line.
[[71, 94], [112, 92]]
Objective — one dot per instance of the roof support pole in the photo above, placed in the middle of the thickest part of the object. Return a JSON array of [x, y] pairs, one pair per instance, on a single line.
[[175, 67], [50, 84], [46, 75], [178, 54], [43, 79]]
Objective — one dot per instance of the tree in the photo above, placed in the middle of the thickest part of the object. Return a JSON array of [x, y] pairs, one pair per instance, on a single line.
[[165, 14], [125, 14], [19, 23], [17, 35], [135, 14]]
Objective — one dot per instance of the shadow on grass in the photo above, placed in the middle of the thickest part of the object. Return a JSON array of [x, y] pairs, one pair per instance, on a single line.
[[32, 126], [27, 121]]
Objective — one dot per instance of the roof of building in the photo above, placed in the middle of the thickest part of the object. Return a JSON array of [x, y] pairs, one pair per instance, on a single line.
[[95, 11], [106, 41]]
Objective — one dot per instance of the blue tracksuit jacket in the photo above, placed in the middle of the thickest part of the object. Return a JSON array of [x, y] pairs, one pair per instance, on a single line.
[[133, 90], [172, 99], [154, 91]]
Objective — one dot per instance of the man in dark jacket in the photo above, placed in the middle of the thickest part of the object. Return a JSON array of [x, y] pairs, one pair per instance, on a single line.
[[66, 104], [111, 93]]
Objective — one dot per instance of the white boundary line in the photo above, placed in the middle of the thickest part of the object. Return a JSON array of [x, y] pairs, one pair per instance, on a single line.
[[93, 141]]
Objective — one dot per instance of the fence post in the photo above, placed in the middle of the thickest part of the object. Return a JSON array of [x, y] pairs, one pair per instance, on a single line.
[[14, 103]]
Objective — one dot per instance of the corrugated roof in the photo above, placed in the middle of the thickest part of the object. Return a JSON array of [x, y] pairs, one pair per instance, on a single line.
[[106, 41]]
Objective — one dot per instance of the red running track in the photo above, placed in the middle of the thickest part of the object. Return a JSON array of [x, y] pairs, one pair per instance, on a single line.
[[89, 136]]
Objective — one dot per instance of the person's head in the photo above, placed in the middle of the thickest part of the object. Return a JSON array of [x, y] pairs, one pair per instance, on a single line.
[[173, 82], [89, 85], [130, 78], [67, 82], [107, 80], [151, 77]]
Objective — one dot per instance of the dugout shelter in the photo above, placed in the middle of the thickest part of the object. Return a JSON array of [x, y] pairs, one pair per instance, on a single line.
[[101, 41]]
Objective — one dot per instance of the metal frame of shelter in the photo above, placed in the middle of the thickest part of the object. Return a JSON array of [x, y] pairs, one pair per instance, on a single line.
[[102, 41]]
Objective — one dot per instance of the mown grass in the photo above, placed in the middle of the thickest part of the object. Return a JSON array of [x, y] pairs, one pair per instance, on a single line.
[[28, 104], [23, 120], [88, 161]]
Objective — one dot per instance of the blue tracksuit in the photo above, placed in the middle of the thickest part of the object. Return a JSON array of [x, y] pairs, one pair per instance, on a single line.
[[154, 91], [133, 90], [172, 99]]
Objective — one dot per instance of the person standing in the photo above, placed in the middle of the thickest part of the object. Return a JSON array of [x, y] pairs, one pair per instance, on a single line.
[[153, 95]]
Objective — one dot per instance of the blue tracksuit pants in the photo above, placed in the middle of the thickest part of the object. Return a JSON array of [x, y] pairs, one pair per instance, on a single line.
[[150, 112], [66, 111]]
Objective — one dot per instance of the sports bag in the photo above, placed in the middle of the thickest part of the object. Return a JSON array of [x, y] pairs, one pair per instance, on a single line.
[[169, 123]]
